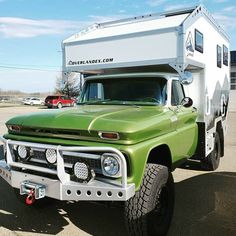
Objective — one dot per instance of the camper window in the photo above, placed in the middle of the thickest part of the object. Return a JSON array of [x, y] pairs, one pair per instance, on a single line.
[[219, 56], [198, 41], [225, 55]]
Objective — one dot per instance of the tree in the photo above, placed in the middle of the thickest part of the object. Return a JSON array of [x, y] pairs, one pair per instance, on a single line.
[[69, 84]]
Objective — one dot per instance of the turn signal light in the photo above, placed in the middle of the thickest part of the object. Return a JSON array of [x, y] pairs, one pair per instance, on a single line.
[[109, 135], [15, 128]]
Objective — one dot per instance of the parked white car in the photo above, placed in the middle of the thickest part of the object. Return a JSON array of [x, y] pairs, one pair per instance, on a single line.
[[33, 101]]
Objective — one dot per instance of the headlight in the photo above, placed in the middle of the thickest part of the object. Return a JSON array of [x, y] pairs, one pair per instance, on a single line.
[[51, 156], [23, 152], [111, 165]]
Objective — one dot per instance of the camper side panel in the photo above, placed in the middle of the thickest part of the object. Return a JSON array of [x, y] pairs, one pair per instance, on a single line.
[[205, 45]]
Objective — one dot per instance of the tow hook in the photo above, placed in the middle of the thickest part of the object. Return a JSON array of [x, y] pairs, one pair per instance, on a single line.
[[30, 199]]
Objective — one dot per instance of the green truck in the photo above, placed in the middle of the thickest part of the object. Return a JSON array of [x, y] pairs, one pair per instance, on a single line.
[[134, 122]]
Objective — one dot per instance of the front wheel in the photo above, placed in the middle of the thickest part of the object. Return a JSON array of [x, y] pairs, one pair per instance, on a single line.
[[59, 105], [150, 210]]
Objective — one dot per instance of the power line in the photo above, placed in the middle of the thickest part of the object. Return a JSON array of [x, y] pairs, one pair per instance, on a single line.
[[27, 68], [27, 65]]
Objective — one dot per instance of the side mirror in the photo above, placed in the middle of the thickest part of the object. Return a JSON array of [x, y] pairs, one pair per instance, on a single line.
[[187, 78], [187, 102]]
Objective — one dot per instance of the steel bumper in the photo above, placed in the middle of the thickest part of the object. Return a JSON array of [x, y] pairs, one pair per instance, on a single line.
[[62, 188], [96, 190]]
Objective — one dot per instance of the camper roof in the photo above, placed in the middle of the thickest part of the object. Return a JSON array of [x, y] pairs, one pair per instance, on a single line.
[[138, 24], [121, 28]]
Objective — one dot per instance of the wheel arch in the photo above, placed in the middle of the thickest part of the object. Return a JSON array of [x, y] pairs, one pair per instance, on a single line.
[[161, 155]]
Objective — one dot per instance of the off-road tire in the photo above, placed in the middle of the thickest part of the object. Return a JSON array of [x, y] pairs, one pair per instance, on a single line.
[[150, 210], [212, 161]]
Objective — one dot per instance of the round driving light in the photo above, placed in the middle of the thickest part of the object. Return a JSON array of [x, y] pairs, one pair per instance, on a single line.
[[51, 156], [22, 152], [111, 165], [81, 170]]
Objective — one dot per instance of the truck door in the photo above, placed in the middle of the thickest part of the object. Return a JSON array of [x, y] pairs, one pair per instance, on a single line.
[[186, 126]]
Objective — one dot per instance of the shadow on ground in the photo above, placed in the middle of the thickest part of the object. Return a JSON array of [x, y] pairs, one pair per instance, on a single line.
[[205, 205]]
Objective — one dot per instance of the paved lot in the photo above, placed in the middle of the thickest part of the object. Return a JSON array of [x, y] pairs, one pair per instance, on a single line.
[[205, 202]]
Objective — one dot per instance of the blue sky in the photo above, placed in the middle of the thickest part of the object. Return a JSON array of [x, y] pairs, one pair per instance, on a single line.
[[31, 32]]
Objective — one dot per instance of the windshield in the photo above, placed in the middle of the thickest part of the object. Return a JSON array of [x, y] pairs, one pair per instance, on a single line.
[[51, 97], [140, 91]]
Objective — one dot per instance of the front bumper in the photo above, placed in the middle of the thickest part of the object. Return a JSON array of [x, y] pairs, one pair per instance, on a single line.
[[62, 188]]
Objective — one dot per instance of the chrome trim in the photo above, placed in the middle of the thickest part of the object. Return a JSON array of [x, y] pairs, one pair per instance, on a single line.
[[80, 154]]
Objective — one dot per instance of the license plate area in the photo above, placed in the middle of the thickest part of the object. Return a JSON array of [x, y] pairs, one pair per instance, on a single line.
[[39, 190]]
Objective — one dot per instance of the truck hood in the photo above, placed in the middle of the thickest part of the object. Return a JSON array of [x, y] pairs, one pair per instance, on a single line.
[[133, 123]]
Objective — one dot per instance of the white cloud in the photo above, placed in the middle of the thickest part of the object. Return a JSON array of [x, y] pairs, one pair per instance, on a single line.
[[101, 19], [122, 11], [155, 3], [220, 1], [230, 9], [227, 22], [13, 27]]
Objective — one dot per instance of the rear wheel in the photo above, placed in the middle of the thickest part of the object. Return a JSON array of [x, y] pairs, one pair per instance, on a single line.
[[212, 161], [150, 210]]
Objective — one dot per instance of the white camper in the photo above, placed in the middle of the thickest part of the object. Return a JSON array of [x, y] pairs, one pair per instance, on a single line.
[[187, 40]]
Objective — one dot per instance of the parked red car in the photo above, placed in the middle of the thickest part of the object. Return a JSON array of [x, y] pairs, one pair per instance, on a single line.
[[59, 101]]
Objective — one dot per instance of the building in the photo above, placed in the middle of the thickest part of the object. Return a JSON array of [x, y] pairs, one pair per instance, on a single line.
[[233, 70]]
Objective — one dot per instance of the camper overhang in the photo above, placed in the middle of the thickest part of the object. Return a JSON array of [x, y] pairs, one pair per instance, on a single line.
[[152, 41]]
